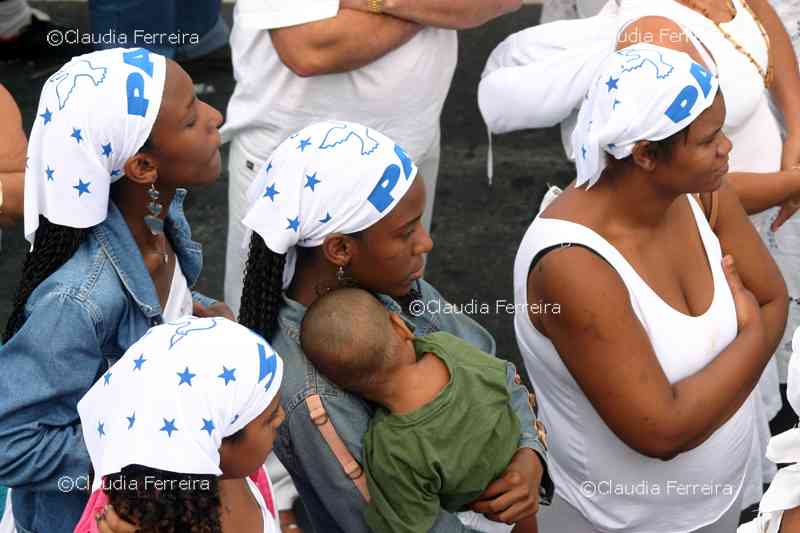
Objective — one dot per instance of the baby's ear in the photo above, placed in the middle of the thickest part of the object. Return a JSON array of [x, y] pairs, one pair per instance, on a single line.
[[400, 326]]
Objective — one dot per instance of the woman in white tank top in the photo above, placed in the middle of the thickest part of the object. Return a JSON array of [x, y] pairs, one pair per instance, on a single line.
[[645, 369]]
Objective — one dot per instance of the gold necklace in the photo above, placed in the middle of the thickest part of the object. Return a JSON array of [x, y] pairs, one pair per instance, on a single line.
[[767, 75]]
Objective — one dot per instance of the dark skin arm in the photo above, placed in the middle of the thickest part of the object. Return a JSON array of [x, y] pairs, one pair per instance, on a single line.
[[756, 268], [515, 495], [13, 146], [607, 351], [791, 521], [346, 42]]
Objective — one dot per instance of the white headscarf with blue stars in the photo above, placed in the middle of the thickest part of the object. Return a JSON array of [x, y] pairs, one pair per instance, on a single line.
[[643, 93], [175, 394], [94, 114], [331, 177]]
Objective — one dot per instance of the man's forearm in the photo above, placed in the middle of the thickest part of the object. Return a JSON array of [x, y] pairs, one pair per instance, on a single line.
[[454, 14], [346, 42]]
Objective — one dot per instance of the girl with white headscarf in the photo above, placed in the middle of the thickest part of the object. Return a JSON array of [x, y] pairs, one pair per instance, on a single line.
[[117, 134], [339, 204], [178, 425], [645, 377]]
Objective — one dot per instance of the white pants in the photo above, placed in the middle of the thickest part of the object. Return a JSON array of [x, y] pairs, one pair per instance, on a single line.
[[561, 517], [243, 167]]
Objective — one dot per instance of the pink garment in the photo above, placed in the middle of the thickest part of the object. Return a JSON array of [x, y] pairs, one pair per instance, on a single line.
[[98, 500]]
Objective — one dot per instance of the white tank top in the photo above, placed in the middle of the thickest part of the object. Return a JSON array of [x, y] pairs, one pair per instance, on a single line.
[[271, 523], [613, 486]]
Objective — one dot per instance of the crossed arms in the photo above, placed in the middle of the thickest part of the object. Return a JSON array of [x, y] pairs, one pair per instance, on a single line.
[[356, 37]]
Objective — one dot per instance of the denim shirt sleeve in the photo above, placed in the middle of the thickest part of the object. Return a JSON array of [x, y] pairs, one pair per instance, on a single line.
[[529, 436], [341, 498], [202, 299], [48, 365]]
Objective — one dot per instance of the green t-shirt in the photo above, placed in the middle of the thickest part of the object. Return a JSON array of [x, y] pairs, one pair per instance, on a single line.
[[447, 452]]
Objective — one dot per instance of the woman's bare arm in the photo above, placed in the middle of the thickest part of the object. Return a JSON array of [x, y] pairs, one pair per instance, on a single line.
[[608, 352], [13, 146], [791, 521]]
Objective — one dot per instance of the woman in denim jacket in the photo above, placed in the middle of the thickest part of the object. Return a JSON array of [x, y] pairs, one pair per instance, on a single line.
[[383, 253], [105, 262]]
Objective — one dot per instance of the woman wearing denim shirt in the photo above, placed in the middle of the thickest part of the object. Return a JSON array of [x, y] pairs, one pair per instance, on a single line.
[[382, 253], [100, 272]]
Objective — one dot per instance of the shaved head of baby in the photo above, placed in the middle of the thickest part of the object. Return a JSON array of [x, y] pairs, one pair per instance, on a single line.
[[348, 335]]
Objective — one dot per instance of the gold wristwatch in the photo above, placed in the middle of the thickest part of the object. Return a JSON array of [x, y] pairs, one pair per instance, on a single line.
[[375, 6]]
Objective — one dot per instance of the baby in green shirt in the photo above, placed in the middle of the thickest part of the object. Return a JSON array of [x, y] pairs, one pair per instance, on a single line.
[[444, 428]]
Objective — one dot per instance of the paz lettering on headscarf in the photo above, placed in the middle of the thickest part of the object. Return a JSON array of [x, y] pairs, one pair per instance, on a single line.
[[642, 93], [175, 394], [94, 114], [330, 177]]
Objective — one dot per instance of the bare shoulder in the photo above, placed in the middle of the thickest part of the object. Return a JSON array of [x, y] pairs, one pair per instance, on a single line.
[[9, 111], [660, 31], [791, 521], [579, 280]]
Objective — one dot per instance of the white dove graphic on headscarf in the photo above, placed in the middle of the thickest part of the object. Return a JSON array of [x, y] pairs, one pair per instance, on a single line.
[[67, 81], [637, 58], [343, 133]]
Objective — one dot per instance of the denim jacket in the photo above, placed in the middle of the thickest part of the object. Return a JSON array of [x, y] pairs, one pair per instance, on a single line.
[[331, 498], [79, 321]]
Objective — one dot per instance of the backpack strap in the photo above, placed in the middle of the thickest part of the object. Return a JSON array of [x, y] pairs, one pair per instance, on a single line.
[[352, 469]]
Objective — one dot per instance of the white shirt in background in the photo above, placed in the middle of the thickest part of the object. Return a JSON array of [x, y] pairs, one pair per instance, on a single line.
[[401, 94]]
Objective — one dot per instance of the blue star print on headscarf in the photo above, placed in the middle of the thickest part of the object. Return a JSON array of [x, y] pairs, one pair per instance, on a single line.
[[82, 187]]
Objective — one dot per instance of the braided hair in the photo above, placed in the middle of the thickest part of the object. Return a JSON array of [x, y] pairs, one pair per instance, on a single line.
[[54, 245], [158, 501], [263, 288]]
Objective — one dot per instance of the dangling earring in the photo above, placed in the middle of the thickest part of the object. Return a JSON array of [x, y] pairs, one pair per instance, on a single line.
[[342, 279], [152, 220], [155, 224]]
